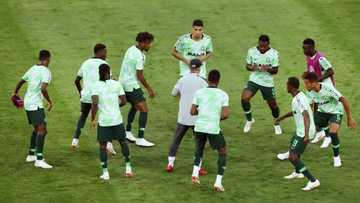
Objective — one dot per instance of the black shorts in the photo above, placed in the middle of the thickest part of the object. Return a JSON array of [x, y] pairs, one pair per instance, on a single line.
[[36, 117], [136, 96], [268, 93], [323, 120], [109, 133], [216, 141]]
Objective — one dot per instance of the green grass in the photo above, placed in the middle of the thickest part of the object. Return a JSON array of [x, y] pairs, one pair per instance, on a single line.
[[70, 28]]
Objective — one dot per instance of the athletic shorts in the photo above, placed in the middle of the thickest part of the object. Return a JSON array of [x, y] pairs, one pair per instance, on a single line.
[[36, 117], [109, 133], [268, 93], [85, 107], [323, 120], [297, 144], [136, 96], [216, 141]]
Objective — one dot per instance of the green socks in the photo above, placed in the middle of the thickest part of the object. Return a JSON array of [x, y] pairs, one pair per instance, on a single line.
[[130, 118], [125, 151], [335, 143], [142, 124], [32, 143], [40, 139], [221, 164], [103, 158], [299, 166]]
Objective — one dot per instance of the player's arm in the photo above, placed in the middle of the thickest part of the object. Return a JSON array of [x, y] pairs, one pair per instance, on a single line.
[[194, 110], [141, 78], [206, 56], [351, 122], [325, 65], [45, 93], [283, 117], [122, 100], [271, 70], [179, 56], [176, 90], [18, 87], [78, 84], [94, 109], [328, 73], [225, 113], [306, 117]]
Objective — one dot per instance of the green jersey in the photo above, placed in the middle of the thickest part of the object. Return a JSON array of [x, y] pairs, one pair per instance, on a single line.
[[35, 76], [327, 99], [270, 58], [300, 103], [89, 72], [191, 49], [134, 60], [210, 102], [108, 103]]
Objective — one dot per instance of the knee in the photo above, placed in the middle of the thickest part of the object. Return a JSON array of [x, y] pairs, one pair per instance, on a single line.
[[41, 130], [222, 151]]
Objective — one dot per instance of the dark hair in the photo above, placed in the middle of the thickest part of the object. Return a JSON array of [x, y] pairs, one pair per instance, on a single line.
[[214, 76], [309, 41], [144, 37], [198, 22], [103, 70], [99, 47], [294, 82], [311, 76], [44, 54], [264, 38]]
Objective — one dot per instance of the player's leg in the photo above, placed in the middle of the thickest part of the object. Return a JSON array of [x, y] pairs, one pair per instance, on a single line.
[[179, 134], [130, 119], [200, 141], [32, 147], [335, 122], [202, 171], [103, 161], [269, 95], [85, 109], [322, 123], [143, 109], [246, 96], [120, 135], [218, 142]]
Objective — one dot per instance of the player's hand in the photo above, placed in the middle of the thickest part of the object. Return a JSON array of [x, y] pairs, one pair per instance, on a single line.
[[306, 140], [152, 93], [351, 123], [264, 68], [49, 106], [93, 124], [254, 67]]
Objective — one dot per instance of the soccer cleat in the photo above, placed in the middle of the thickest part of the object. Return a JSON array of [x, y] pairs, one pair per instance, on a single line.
[[110, 148], [337, 161], [203, 172], [283, 156], [326, 143], [319, 136], [105, 176], [75, 143], [170, 168], [294, 175], [42, 164], [278, 130], [219, 188], [143, 143], [30, 158], [248, 125], [130, 137], [195, 180], [311, 185], [128, 171]]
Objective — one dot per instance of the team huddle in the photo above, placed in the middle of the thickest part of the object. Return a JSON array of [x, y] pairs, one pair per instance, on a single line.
[[202, 105]]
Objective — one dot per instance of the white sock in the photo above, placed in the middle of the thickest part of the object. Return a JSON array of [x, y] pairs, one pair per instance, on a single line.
[[128, 168], [218, 180], [109, 145], [200, 164], [171, 160], [196, 171], [75, 141], [105, 170]]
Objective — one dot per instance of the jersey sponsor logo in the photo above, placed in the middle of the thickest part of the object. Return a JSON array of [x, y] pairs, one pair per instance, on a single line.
[[195, 54]]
